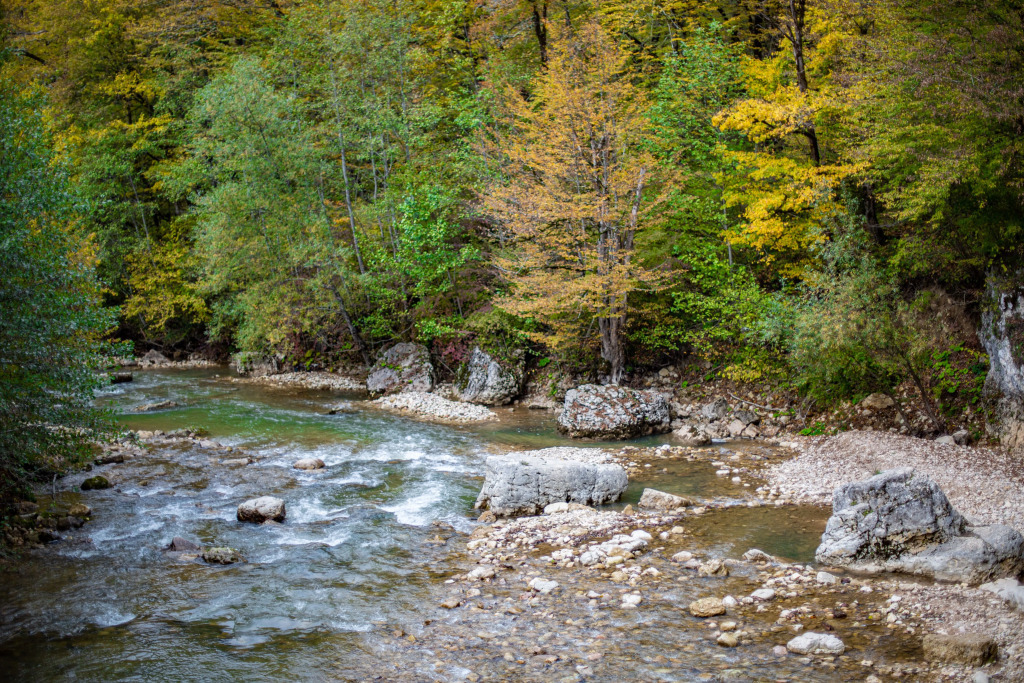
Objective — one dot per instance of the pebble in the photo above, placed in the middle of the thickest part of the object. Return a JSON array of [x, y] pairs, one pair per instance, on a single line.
[[707, 607], [728, 640]]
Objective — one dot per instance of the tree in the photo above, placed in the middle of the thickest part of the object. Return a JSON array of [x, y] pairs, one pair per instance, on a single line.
[[52, 327], [576, 184], [786, 181]]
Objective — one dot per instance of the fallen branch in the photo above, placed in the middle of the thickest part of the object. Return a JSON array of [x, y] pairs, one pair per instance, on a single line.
[[751, 403]]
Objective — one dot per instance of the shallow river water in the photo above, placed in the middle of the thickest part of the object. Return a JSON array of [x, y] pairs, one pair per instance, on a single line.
[[108, 603]]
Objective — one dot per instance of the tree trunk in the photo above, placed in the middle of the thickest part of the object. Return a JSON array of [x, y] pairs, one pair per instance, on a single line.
[[540, 29], [613, 348]]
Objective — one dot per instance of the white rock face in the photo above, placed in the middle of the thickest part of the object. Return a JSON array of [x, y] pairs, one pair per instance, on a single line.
[[901, 521], [263, 509], [611, 412], [812, 643], [402, 367], [485, 380], [525, 483]]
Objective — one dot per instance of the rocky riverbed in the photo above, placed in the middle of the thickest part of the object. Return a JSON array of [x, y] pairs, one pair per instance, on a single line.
[[378, 562]]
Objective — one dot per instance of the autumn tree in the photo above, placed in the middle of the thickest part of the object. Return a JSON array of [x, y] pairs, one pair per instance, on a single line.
[[575, 185]]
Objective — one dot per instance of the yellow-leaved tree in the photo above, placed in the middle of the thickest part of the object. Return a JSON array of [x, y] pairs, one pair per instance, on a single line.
[[798, 120], [573, 186]]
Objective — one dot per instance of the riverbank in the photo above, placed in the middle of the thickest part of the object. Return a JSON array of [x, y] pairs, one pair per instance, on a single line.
[[984, 484], [619, 585]]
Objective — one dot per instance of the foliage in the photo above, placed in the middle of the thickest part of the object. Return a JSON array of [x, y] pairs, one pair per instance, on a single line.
[[51, 330], [574, 189]]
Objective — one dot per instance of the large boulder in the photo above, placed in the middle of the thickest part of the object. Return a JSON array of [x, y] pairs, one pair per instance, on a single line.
[[154, 357], [902, 521], [262, 509], [693, 435], [485, 380], [402, 367], [524, 483], [611, 412], [256, 365]]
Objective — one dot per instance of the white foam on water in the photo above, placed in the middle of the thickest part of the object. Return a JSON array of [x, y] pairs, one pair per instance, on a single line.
[[417, 510], [111, 533], [332, 535], [112, 618], [307, 510]]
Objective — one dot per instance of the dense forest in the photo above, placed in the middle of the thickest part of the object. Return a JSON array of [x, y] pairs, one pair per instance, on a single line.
[[814, 192]]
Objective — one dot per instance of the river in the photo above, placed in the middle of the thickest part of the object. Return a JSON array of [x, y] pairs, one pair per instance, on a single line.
[[109, 603]]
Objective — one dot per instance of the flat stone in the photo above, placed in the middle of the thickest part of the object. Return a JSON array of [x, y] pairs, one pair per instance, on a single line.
[[812, 643], [659, 500], [973, 649], [542, 586], [707, 607], [763, 594]]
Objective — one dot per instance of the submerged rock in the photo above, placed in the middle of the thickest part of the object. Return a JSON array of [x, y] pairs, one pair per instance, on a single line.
[[263, 509], [402, 367], [525, 483], [79, 510], [611, 412], [222, 555], [659, 500], [973, 649], [902, 521], [95, 483], [812, 643], [150, 407], [488, 381], [309, 464], [182, 545], [707, 607]]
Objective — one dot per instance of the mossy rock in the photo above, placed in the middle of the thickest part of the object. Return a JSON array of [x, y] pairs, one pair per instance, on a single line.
[[222, 555], [95, 483]]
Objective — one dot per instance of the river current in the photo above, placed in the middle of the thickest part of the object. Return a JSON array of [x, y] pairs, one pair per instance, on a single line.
[[109, 603]]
